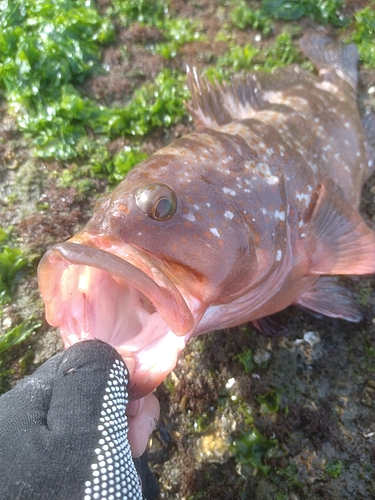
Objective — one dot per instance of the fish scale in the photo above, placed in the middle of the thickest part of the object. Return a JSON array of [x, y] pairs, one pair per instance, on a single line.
[[255, 210]]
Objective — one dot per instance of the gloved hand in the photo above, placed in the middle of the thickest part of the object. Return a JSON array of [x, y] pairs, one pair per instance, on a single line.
[[64, 431]]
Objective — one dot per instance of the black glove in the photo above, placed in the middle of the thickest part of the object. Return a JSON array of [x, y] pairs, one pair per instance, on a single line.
[[63, 431]]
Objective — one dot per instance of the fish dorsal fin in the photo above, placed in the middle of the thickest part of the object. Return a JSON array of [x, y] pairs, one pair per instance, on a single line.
[[338, 239], [326, 296], [215, 104]]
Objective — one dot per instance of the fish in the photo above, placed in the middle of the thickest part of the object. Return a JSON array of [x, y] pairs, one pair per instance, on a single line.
[[255, 210]]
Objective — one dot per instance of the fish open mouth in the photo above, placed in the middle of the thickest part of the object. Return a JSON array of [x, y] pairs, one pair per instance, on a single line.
[[95, 288]]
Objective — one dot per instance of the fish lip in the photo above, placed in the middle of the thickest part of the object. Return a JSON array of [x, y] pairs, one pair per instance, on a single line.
[[82, 306], [158, 288]]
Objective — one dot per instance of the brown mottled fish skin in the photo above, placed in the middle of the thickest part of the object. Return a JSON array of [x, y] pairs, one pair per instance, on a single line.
[[255, 205]]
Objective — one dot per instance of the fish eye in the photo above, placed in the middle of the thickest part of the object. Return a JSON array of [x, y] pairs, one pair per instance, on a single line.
[[157, 201]]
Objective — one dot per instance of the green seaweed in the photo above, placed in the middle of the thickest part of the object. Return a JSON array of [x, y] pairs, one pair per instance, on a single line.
[[281, 53], [269, 402], [45, 49], [333, 468], [364, 35], [252, 449], [158, 103], [290, 474], [278, 54], [141, 11], [13, 267], [246, 358], [17, 334], [238, 58], [322, 11], [242, 16], [176, 31], [124, 161], [48, 49]]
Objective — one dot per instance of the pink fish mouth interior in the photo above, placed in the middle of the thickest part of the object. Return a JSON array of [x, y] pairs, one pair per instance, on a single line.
[[92, 293]]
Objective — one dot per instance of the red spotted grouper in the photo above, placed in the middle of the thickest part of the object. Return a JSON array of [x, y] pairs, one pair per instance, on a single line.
[[252, 212]]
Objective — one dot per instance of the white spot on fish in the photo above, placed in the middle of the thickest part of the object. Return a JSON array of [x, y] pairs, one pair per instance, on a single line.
[[279, 254], [265, 171], [230, 191], [280, 215], [303, 197], [190, 216], [215, 232], [228, 214], [327, 85]]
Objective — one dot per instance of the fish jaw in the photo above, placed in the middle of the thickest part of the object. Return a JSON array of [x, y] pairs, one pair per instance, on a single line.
[[94, 288]]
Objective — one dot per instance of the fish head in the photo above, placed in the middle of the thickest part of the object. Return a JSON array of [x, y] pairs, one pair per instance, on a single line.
[[159, 250]]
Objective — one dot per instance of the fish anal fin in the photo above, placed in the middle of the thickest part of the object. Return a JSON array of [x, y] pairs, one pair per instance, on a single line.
[[215, 104], [338, 241], [270, 327], [326, 296]]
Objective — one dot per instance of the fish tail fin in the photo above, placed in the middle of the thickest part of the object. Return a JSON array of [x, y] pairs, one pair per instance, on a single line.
[[215, 104], [328, 55]]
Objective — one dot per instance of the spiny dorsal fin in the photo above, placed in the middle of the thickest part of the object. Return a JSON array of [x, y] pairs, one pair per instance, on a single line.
[[215, 104], [328, 55]]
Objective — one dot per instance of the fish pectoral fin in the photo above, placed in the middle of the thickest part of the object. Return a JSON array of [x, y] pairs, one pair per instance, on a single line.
[[270, 326], [338, 241], [215, 104], [326, 296]]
